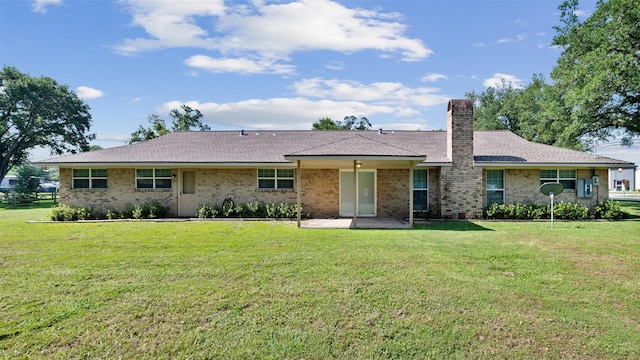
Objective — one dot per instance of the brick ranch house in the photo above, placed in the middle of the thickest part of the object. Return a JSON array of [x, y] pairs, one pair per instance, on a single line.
[[385, 174]]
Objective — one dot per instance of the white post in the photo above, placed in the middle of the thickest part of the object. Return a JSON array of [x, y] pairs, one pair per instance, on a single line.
[[551, 196]]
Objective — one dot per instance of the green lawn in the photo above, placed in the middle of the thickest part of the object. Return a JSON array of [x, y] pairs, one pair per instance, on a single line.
[[270, 290], [631, 207]]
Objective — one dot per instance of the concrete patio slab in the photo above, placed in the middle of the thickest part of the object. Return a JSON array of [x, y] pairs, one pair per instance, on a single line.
[[362, 223]]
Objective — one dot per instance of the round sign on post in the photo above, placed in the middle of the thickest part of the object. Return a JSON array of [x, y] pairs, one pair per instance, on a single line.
[[551, 189]]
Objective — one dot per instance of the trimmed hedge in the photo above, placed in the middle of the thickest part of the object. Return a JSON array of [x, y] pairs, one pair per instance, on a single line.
[[609, 210], [148, 210], [229, 209]]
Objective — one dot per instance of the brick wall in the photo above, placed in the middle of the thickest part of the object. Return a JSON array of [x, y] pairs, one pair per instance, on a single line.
[[213, 186], [120, 192], [461, 192], [434, 189], [522, 186], [393, 193], [320, 191]]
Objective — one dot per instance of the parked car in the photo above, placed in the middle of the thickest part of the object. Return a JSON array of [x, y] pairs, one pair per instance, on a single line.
[[7, 183], [49, 187]]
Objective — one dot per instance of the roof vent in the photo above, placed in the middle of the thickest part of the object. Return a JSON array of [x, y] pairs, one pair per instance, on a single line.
[[379, 131], [242, 133]]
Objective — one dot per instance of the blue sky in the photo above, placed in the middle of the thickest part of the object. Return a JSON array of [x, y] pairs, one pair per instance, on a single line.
[[263, 65]]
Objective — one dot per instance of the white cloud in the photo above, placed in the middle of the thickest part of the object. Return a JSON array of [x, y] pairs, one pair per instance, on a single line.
[[580, 13], [268, 30], [40, 6], [499, 80], [382, 102], [117, 138], [387, 93], [433, 77], [238, 65], [335, 65], [86, 93], [278, 113], [518, 37]]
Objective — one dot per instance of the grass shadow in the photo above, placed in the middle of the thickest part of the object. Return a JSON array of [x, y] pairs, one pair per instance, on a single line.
[[631, 207], [451, 226], [41, 204]]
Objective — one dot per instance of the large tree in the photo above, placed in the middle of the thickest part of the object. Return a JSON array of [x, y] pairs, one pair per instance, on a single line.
[[37, 111], [184, 120], [349, 123], [535, 112], [598, 71]]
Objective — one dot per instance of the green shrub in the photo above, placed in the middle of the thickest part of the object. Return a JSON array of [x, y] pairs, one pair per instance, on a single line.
[[149, 210], [67, 213], [563, 210], [208, 211], [570, 211], [287, 210], [156, 210], [256, 209], [250, 210], [609, 210], [497, 211]]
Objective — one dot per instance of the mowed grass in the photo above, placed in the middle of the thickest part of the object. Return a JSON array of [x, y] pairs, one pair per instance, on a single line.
[[269, 290]]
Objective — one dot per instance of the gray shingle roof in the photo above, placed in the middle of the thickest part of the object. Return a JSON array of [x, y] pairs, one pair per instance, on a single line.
[[229, 147]]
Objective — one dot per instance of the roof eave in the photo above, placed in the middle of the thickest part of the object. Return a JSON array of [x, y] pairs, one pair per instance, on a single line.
[[356, 157], [550, 165], [164, 164]]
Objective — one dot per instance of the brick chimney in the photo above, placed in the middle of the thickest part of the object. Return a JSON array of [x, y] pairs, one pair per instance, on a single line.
[[461, 183]]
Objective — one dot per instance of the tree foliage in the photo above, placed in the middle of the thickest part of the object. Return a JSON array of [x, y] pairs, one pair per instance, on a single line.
[[184, 120], [349, 123], [595, 89], [535, 112], [326, 123], [28, 179], [598, 72], [37, 111]]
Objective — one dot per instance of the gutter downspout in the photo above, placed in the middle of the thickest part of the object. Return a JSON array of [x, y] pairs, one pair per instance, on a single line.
[[298, 195], [354, 224], [411, 193]]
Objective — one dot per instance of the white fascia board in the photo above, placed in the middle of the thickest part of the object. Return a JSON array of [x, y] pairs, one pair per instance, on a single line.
[[549, 165], [168, 164], [354, 157], [434, 164]]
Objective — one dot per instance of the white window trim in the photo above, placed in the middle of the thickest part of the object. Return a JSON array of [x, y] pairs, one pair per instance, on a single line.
[[276, 179], [90, 178], [558, 178], [426, 189], [154, 178], [495, 189]]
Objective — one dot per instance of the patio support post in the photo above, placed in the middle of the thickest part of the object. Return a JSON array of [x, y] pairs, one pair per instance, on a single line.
[[411, 193], [298, 194], [355, 194]]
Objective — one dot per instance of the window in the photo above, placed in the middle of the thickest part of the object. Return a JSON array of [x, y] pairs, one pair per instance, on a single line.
[[275, 179], [420, 189], [495, 187], [153, 178], [564, 177], [89, 179]]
